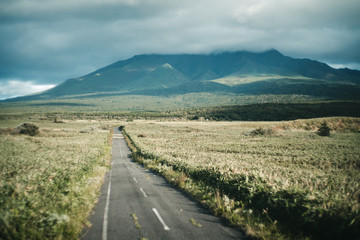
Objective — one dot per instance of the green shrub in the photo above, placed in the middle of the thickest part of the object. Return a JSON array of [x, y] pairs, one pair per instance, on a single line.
[[28, 129], [262, 132], [323, 130]]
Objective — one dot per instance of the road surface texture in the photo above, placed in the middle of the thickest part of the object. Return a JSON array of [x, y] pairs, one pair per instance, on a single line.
[[136, 204]]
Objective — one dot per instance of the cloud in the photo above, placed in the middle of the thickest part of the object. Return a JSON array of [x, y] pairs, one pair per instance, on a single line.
[[51, 41], [14, 88]]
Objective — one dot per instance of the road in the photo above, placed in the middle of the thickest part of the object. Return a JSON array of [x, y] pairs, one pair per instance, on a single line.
[[136, 204]]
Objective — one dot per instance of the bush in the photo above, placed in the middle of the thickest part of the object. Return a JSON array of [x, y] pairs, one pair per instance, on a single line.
[[194, 118], [323, 130], [28, 129], [262, 132]]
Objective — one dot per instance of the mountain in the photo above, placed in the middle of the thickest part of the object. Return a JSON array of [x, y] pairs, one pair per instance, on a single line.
[[237, 73]]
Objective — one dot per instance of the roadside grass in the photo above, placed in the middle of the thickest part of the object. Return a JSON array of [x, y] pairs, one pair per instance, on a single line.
[[49, 183], [292, 184]]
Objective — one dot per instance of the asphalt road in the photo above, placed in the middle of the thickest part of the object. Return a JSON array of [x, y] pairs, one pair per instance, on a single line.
[[135, 204]]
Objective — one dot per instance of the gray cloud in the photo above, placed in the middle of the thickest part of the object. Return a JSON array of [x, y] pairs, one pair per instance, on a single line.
[[49, 41]]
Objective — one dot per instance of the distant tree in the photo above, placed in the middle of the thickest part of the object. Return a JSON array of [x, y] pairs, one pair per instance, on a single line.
[[324, 129]]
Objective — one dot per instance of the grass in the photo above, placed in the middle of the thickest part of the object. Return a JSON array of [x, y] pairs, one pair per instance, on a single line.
[[136, 223], [237, 80], [113, 102], [194, 223], [292, 184], [277, 180], [49, 183]]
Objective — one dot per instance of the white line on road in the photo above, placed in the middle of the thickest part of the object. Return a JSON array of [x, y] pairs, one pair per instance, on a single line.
[[160, 219], [116, 135], [106, 212], [135, 180], [143, 192]]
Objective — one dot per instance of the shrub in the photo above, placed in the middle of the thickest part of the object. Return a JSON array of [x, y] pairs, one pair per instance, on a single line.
[[323, 130], [195, 118], [262, 132], [28, 129]]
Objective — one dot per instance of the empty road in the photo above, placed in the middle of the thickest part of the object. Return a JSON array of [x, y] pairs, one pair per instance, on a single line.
[[136, 204]]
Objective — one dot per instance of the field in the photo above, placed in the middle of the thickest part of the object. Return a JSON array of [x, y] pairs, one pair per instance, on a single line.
[[281, 181], [49, 182], [275, 180], [117, 102]]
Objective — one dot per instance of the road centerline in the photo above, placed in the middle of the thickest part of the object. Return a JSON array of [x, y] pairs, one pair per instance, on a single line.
[[143, 192], [166, 228], [135, 180]]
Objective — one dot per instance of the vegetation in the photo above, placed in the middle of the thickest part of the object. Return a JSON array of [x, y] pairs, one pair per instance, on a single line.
[[49, 182], [279, 111], [28, 129], [271, 108], [262, 131], [290, 184], [276, 179], [130, 104], [323, 130]]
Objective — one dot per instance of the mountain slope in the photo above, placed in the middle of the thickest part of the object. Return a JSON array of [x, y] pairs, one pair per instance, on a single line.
[[239, 72]]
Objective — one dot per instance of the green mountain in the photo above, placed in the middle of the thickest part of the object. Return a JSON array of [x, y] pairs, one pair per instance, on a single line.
[[230, 73]]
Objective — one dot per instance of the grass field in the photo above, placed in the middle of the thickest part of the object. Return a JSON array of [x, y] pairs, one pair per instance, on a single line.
[[49, 183], [115, 102], [283, 182], [287, 183]]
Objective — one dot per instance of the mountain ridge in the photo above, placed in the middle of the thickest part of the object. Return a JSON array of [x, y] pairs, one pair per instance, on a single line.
[[239, 72]]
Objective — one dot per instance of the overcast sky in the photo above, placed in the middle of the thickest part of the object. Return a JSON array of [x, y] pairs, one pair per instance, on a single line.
[[44, 42]]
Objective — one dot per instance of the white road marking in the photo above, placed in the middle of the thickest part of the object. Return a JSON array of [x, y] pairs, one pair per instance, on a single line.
[[118, 136], [135, 180], [143, 192], [166, 228], [106, 212]]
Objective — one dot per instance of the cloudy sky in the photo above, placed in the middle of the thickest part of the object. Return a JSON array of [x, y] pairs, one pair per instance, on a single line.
[[44, 42]]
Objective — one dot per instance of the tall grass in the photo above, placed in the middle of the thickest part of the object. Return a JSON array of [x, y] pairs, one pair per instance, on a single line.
[[49, 182], [294, 181]]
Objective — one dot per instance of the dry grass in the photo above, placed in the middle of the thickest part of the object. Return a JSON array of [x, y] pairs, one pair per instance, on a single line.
[[293, 173], [49, 183]]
